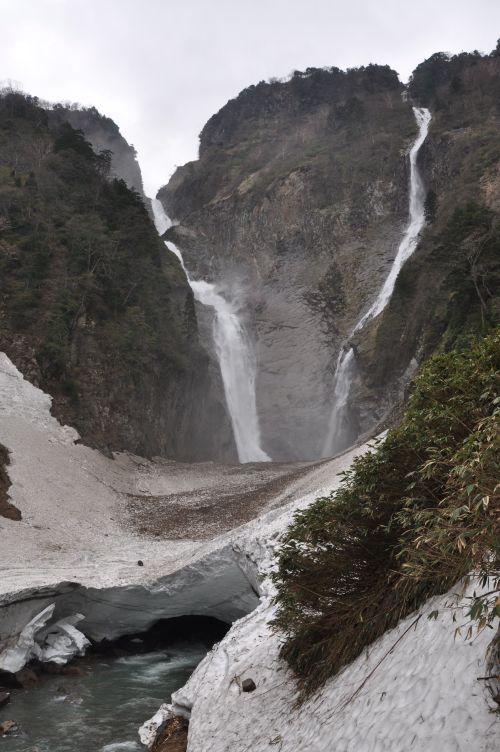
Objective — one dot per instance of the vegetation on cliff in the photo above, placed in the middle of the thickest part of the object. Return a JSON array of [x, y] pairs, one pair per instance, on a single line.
[[443, 76], [451, 285], [307, 125], [92, 307], [413, 516], [104, 135]]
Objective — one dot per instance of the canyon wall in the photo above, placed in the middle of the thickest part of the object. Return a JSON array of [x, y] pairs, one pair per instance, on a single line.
[[92, 306], [296, 206], [450, 288]]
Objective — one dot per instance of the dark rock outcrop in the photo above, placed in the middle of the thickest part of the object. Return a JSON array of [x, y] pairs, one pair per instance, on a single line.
[[7, 509], [8, 728]]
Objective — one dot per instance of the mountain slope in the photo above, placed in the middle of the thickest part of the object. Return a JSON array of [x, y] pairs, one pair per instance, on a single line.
[[93, 308], [104, 135], [297, 203], [451, 286]]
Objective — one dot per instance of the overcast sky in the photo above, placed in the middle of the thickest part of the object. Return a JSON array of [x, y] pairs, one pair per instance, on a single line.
[[160, 68]]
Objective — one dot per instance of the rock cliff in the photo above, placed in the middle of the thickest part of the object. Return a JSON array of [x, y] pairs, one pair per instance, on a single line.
[[451, 286], [92, 306], [297, 204], [104, 135]]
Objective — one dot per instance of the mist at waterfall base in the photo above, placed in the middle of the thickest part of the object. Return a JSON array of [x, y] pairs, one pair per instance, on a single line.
[[101, 710], [235, 355], [338, 434]]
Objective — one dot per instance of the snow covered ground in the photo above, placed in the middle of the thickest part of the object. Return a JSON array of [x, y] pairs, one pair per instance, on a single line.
[[78, 547], [415, 689], [87, 520]]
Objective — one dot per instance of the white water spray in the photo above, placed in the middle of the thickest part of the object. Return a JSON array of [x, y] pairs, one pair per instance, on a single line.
[[343, 371], [235, 355]]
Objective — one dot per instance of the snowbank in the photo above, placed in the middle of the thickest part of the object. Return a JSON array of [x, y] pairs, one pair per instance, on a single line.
[[57, 643], [76, 552], [78, 546], [417, 688]]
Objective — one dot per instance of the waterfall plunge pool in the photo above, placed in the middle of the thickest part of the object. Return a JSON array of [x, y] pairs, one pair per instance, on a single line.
[[118, 687]]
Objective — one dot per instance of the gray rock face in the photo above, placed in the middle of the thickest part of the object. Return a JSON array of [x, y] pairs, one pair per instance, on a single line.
[[451, 285], [296, 207]]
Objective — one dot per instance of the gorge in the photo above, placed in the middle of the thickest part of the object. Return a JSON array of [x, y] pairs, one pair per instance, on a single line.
[[169, 409]]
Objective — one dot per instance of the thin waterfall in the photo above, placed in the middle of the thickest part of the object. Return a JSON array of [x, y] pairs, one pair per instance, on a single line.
[[341, 388], [235, 355], [345, 362]]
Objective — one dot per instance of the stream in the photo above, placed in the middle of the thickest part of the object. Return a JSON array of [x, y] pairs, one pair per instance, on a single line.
[[101, 710]]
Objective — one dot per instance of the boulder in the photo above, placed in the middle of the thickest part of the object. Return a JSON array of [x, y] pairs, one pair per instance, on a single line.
[[8, 727], [248, 685]]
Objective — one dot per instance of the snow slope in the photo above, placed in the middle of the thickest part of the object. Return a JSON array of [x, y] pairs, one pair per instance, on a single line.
[[423, 695], [78, 544], [416, 688], [77, 548]]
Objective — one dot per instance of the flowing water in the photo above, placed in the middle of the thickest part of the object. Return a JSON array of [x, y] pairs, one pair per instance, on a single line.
[[341, 389], [336, 435], [102, 710], [235, 355]]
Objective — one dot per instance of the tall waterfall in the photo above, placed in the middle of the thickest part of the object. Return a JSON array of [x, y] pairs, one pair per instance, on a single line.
[[345, 362], [235, 355]]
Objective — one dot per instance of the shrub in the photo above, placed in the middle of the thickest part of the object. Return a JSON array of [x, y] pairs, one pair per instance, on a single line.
[[412, 517]]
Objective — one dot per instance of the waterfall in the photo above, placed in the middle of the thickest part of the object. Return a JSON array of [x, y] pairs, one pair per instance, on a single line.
[[345, 362], [341, 388], [234, 353]]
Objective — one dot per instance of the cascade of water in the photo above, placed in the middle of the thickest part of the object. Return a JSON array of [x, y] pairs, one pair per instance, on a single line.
[[341, 388], [235, 355], [344, 368]]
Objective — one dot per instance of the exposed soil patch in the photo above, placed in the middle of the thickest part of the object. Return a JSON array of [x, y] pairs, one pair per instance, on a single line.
[[7, 509], [205, 513], [173, 737]]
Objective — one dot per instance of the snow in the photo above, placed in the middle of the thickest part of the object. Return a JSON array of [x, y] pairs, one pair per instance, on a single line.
[[57, 643], [77, 545], [416, 688], [149, 730], [424, 696], [62, 641], [75, 553]]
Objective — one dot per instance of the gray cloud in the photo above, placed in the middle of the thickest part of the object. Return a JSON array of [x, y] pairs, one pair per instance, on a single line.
[[160, 68]]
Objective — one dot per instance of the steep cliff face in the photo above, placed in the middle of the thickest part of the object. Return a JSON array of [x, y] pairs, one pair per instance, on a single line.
[[104, 135], [92, 307], [451, 286], [296, 206]]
